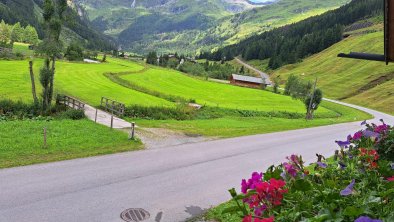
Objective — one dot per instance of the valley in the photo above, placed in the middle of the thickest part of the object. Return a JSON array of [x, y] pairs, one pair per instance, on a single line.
[[189, 26], [142, 110]]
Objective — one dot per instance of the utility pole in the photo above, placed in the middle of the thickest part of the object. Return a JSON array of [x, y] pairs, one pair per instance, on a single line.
[[309, 113]]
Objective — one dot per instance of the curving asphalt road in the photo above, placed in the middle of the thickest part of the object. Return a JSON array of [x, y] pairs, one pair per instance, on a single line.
[[172, 184]]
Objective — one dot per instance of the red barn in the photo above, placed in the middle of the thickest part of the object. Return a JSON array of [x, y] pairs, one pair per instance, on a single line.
[[247, 81]]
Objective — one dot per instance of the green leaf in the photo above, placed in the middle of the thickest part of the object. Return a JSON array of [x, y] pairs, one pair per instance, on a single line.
[[231, 210], [353, 211], [302, 185]]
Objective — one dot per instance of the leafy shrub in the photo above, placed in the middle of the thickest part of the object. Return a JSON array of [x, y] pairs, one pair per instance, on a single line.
[[72, 114], [356, 185], [181, 112], [18, 110], [74, 52]]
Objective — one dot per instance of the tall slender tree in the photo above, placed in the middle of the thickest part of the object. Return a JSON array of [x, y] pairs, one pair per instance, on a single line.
[[51, 46]]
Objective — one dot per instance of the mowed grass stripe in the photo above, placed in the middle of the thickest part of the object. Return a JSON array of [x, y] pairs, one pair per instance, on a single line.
[[214, 94], [84, 81]]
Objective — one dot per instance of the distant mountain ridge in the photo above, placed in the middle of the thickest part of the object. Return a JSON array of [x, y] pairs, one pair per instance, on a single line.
[[188, 26]]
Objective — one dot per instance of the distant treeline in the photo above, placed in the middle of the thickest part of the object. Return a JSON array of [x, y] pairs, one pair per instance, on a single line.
[[291, 43]]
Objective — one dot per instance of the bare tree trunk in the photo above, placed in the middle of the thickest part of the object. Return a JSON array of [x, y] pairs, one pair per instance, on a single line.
[[33, 84]]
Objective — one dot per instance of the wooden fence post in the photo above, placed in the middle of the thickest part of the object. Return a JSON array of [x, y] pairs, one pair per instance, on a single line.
[[95, 117], [132, 134], [112, 121], [45, 137]]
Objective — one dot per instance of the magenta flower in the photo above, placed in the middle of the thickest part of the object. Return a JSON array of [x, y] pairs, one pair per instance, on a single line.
[[349, 189], [259, 210], [366, 219], [294, 158], [251, 183], [357, 135], [381, 128], [290, 169]]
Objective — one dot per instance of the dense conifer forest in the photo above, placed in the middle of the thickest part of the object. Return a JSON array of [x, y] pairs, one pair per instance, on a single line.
[[291, 43]]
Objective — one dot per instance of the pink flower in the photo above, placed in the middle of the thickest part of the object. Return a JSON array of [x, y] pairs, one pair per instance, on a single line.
[[290, 169], [390, 179], [381, 128], [357, 135], [251, 183], [249, 218]]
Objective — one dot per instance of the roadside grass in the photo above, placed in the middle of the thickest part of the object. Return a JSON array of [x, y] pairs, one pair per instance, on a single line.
[[84, 81], [22, 141], [213, 94], [366, 83], [232, 126]]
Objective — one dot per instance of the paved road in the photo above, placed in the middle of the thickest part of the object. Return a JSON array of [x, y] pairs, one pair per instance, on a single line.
[[262, 74], [172, 184]]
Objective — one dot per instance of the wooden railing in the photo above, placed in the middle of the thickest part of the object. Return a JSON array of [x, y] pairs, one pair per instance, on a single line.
[[112, 106], [70, 102]]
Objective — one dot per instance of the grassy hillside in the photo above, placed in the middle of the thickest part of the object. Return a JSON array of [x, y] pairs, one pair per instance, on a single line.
[[84, 81], [88, 83], [213, 94], [361, 82]]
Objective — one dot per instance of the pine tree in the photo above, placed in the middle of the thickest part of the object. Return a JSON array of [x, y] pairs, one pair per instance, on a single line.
[[17, 33]]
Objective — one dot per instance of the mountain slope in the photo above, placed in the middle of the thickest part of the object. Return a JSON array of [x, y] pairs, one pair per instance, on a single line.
[[190, 25], [365, 83], [76, 27]]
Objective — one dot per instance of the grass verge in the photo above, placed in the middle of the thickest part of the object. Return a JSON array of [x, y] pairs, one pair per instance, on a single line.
[[22, 141]]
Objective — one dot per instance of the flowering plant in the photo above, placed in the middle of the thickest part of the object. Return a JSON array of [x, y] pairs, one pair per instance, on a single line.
[[357, 184]]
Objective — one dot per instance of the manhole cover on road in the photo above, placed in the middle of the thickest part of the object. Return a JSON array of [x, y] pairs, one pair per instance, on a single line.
[[134, 215]]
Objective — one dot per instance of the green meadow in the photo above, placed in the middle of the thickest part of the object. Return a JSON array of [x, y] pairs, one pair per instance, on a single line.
[[22, 142], [89, 83], [366, 83]]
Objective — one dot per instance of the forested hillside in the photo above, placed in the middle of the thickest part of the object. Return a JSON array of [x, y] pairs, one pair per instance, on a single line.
[[28, 12], [187, 26], [291, 43]]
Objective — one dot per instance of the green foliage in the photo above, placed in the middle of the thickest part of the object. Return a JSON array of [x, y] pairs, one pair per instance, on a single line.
[[74, 52], [151, 58], [290, 44], [18, 110], [181, 112], [5, 33], [357, 182], [17, 33], [46, 76], [30, 35], [72, 114], [297, 88], [314, 103]]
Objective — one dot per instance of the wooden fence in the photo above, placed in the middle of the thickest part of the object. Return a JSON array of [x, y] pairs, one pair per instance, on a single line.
[[112, 106], [70, 102]]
